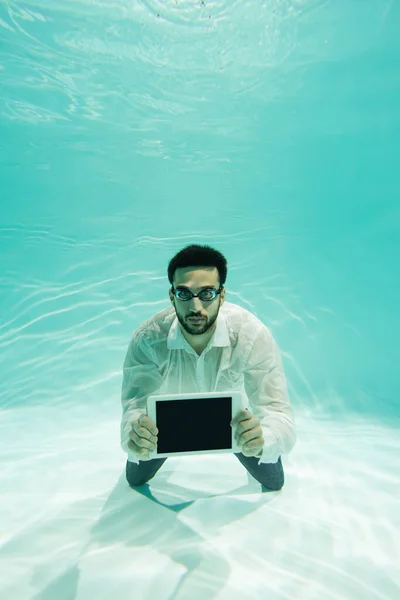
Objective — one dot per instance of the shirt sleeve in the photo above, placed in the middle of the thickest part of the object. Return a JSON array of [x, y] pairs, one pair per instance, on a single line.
[[141, 378], [266, 389]]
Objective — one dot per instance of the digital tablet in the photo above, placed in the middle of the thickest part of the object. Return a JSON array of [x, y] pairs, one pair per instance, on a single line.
[[197, 423]]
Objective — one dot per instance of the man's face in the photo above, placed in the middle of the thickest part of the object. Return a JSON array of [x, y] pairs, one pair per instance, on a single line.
[[194, 279]]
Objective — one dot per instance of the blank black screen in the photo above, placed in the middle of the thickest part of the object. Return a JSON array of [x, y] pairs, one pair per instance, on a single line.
[[194, 424]]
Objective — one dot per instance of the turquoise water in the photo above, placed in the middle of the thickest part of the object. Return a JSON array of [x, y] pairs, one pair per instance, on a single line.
[[270, 131]]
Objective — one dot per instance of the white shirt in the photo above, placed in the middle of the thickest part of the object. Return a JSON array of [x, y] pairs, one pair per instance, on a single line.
[[240, 355]]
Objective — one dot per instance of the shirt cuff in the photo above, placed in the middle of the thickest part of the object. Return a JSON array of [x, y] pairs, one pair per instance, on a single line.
[[270, 451]]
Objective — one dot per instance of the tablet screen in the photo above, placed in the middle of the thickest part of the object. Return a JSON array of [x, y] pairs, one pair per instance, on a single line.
[[194, 424]]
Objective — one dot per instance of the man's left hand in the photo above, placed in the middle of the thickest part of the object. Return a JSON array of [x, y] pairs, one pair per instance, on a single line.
[[248, 433]]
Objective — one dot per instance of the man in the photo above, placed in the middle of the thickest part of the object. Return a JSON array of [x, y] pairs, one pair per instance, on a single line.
[[202, 343]]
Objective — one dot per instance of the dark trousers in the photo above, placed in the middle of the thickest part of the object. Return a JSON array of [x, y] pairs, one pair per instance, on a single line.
[[270, 475]]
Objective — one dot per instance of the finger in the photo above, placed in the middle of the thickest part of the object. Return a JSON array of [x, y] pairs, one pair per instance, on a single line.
[[248, 424], [148, 423], [140, 452], [143, 442], [252, 434], [242, 415], [253, 446], [143, 432]]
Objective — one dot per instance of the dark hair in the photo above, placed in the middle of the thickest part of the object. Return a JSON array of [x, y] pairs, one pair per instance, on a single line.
[[198, 256]]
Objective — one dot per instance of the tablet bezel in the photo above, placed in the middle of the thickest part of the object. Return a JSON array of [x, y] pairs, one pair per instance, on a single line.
[[239, 402]]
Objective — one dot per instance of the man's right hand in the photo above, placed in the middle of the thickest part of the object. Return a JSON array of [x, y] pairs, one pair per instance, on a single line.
[[143, 437]]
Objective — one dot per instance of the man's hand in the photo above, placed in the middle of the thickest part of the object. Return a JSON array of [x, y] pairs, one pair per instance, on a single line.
[[248, 433], [143, 437]]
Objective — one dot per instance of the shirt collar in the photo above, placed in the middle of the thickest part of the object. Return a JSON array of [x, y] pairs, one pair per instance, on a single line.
[[220, 337]]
